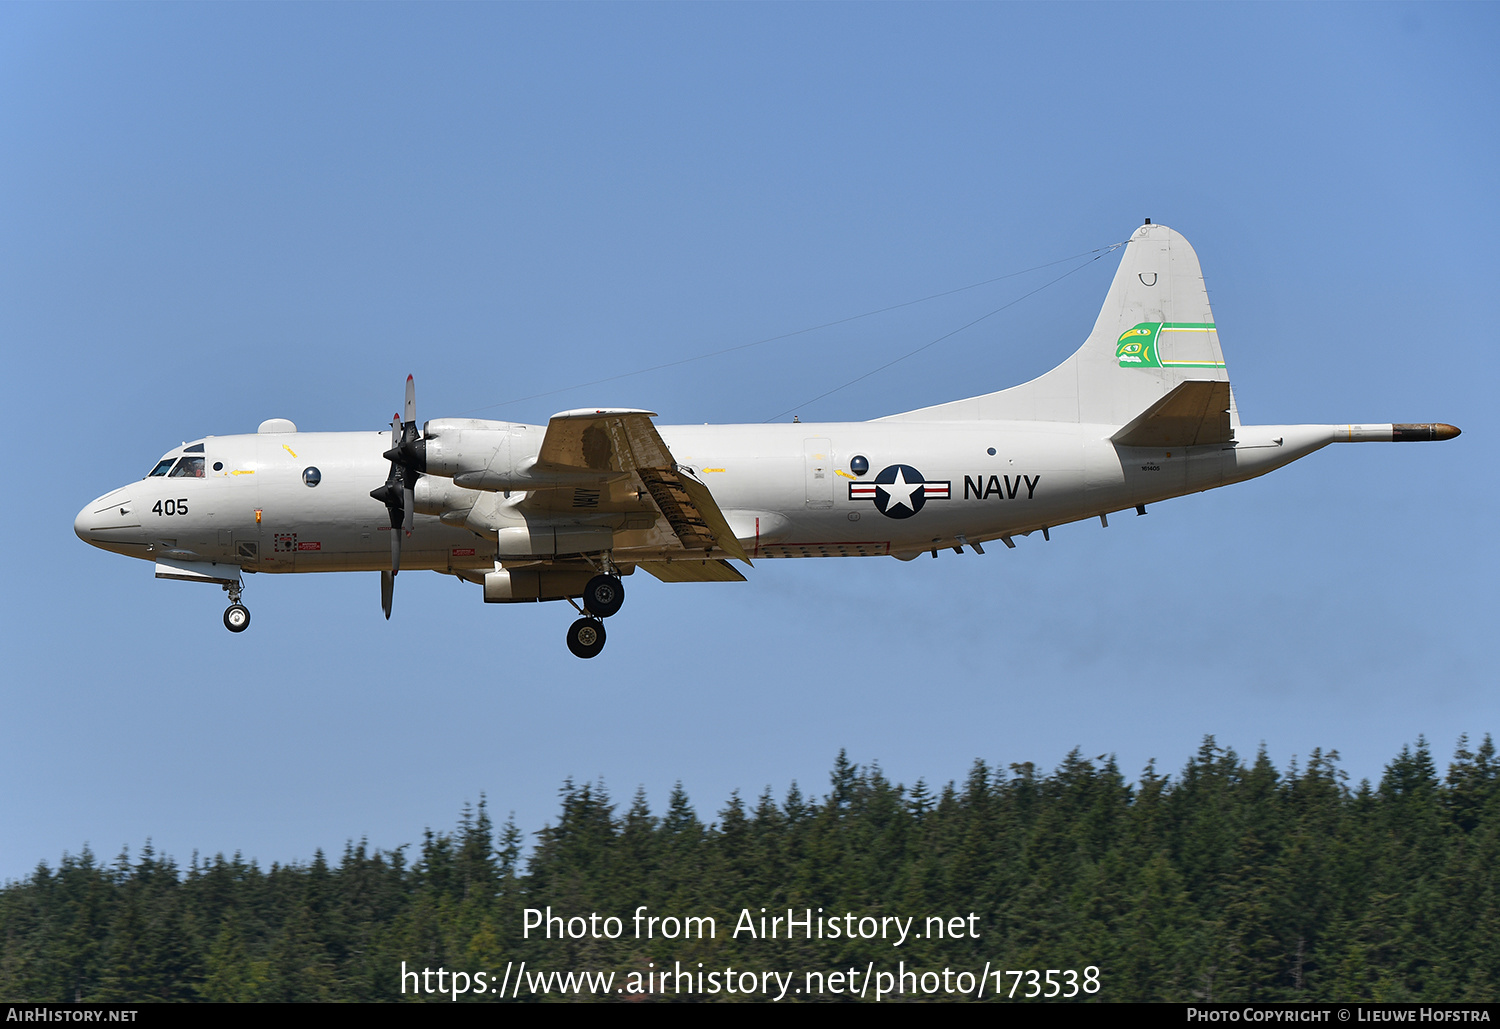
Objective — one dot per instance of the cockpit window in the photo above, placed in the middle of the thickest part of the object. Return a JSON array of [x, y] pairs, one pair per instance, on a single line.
[[196, 448], [162, 466], [188, 468]]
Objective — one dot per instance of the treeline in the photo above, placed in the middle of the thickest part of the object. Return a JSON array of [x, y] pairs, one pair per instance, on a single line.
[[1229, 881]]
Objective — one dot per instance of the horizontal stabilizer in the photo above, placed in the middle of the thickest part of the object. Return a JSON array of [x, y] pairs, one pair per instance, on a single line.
[[693, 571], [1194, 414]]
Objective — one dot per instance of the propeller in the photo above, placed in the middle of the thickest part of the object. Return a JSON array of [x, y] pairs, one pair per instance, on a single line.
[[408, 458]]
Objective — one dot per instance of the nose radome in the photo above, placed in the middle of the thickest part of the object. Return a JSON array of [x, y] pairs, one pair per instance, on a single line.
[[114, 510]]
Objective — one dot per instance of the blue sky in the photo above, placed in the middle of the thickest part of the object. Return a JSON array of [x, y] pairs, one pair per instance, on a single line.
[[217, 214]]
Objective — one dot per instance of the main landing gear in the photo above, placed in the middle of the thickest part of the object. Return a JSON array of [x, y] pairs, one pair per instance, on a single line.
[[586, 637], [602, 597], [237, 615]]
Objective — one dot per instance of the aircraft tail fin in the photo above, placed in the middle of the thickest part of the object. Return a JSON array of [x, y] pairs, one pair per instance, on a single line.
[[1154, 333]]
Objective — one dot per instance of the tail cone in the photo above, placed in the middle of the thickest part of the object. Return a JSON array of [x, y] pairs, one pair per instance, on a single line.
[[1413, 433]]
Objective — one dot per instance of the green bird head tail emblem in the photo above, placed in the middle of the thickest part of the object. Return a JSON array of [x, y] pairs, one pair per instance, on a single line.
[[1137, 346]]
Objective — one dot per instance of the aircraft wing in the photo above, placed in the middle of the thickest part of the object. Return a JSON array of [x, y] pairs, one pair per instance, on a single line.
[[602, 440], [621, 451]]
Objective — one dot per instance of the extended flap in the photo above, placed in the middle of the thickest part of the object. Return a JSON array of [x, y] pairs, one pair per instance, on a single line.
[[691, 511]]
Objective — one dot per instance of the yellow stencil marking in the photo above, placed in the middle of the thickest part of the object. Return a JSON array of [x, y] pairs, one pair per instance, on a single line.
[[846, 475], [243, 471], [289, 450], [713, 469]]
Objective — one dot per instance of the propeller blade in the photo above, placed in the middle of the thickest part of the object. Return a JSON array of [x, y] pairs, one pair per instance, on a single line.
[[397, 500], [407, 457], [395, 544]]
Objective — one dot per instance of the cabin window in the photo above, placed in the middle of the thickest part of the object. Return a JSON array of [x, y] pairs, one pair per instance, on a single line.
[[312, 476], [859, 465], [188, 468]]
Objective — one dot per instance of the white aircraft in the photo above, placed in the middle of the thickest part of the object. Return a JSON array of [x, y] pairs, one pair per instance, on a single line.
[[1141, 412]]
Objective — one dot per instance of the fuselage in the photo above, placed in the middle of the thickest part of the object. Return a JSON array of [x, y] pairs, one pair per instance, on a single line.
[[299, 501]]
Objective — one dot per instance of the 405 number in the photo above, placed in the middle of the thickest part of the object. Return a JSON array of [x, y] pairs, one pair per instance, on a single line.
[[170, 507]]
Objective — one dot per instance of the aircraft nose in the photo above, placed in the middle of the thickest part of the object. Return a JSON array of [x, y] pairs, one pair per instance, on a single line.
[[114, 510]]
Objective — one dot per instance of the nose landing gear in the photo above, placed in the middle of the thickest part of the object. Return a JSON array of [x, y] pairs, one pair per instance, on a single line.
[[237, 615]]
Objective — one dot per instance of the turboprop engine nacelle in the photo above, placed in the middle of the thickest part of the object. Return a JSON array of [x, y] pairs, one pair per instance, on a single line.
[[487, 514], [438, 496], [479, 512], [489, 456], [470, 446]]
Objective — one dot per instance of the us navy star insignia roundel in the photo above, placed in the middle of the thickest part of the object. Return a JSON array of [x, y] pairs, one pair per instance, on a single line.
[[899, 491]]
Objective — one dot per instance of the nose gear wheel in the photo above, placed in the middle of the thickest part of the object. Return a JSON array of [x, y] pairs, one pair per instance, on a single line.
[[237, 618], [236, 615]]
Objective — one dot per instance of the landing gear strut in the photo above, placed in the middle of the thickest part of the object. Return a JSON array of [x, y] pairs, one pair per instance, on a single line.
[[586, 637], [237, 615]]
